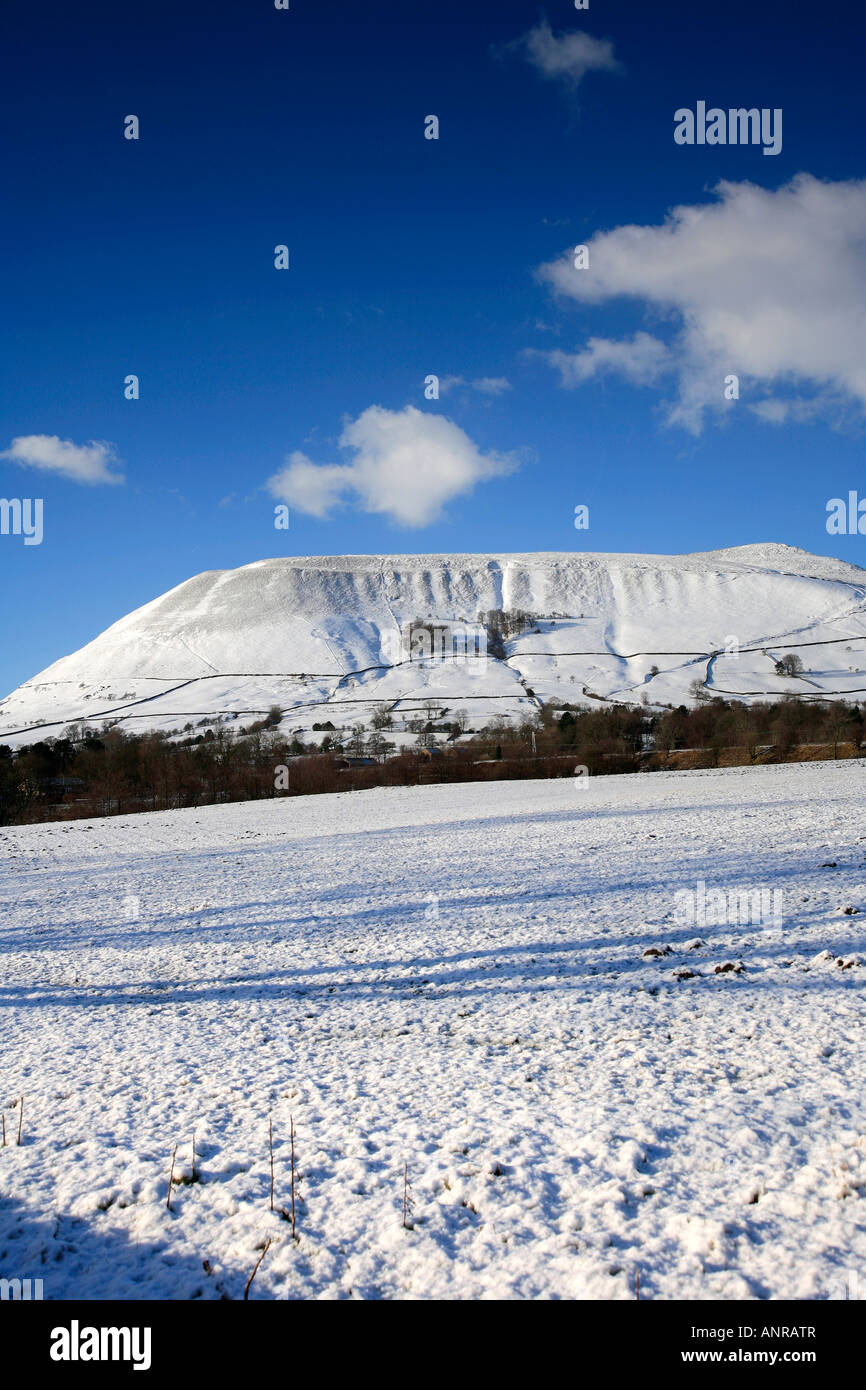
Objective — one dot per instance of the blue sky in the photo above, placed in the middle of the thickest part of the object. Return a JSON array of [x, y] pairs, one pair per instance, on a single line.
[[411, 257]]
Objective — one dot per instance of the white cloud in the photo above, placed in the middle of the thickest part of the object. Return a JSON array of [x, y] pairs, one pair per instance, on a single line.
[[770, 286], [407, 465], [641, 360], [83, 463], [570, 57], [491, 385], [773, 411], [776, 410], [310, 487]]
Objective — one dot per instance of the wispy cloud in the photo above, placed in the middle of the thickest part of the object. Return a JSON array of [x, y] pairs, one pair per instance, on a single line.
[[767, 285], [407, 465], [491, 385], [569, 57], [641, 360], [84, 463]]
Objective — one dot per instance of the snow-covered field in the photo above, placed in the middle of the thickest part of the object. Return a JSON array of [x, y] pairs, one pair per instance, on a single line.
[[450, 978]]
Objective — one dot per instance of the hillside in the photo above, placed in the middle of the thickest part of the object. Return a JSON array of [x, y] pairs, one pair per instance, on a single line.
[[331, 637]]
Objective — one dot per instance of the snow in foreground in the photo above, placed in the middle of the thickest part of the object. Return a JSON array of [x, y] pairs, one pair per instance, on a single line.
[[451, 978]]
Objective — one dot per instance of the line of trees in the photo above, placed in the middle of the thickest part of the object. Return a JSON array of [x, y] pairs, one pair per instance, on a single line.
[[109, 772]]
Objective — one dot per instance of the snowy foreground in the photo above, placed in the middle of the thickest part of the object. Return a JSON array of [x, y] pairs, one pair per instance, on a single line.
[[452, 978]]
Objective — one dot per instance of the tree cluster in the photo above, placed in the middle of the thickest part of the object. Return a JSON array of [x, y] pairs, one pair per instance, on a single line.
[[111, 772]]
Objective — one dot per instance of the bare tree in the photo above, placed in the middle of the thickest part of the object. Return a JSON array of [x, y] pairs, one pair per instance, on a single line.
[[839, 726], [357, 740], [790, 665], [382, 717], [375, 744]]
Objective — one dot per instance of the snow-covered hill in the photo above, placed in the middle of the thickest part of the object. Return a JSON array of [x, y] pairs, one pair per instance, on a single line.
[[331, 637]]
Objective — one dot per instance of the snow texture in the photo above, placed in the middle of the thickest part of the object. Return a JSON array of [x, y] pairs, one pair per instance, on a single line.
[[317, 637], [458, 979]]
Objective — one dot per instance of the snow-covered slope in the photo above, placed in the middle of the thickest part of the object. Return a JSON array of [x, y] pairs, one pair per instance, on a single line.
[[312, 632]]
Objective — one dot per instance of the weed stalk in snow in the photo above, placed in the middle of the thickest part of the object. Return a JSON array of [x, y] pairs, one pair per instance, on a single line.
[[292, 1124], [20, 1117], [255, 1268], [271, 1145], [407, 1200], [171, 1177]]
